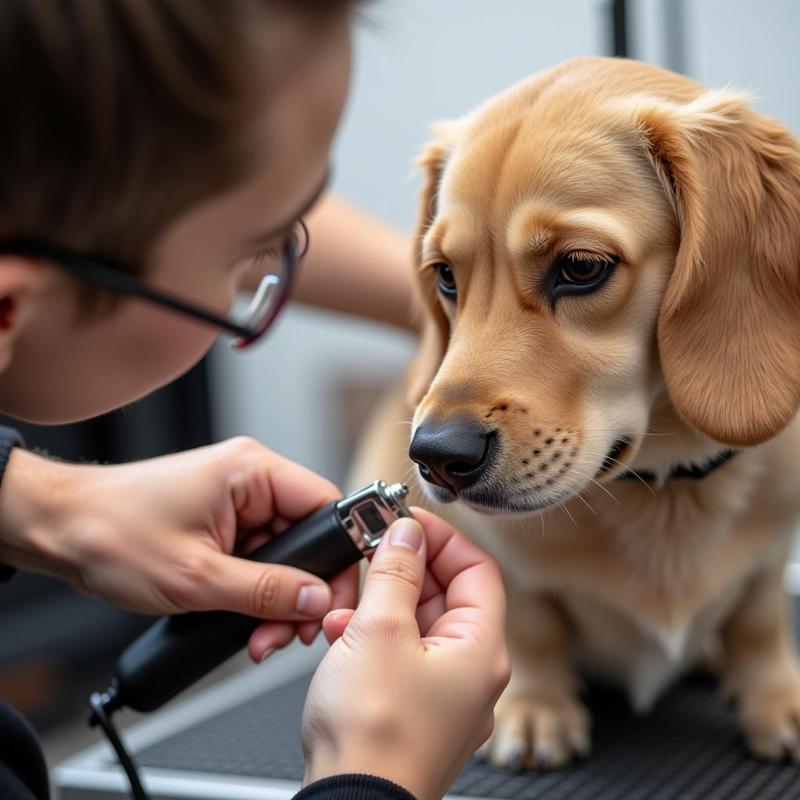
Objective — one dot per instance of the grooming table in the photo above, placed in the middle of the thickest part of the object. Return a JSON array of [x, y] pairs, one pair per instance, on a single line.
[[240, 740]]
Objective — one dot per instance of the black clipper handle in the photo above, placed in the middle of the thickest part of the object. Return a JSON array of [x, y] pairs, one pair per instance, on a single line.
[[177, 651]]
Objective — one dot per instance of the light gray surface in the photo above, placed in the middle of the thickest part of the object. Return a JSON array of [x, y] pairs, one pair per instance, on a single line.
[[752, 44], [92, 773]]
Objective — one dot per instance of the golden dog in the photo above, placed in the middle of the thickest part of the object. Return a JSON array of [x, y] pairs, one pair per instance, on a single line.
[[609, 270]]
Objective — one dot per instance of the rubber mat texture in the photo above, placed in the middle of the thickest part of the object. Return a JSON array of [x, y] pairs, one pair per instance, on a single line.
[[687, 748]]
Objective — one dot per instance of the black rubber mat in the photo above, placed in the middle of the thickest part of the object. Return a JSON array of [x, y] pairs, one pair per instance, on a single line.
[[687, 748]]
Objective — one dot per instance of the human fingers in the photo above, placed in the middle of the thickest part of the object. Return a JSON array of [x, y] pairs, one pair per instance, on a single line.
[[249, 541], [264, 485], [430, 611], [307, 631], [334, 623], [472, 583], [449, 550], [396, 574], [266, 591], [267, 637], [345, 588]]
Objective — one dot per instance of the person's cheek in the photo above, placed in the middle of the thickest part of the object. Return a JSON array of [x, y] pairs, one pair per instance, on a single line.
[[167, 345]]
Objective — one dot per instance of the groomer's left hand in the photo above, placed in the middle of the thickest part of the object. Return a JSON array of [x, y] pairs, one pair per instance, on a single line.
[[407, 690], [155, 536]]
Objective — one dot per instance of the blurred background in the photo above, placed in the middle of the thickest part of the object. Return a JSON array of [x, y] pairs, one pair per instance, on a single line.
[[305, 391]]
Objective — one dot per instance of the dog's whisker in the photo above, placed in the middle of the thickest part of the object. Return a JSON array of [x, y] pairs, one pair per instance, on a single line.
[[599, 485], [566, 511], [589, 478], [589, 419], [636, 475], [614, 432], [586, 503], [605, 489], [408, 475]]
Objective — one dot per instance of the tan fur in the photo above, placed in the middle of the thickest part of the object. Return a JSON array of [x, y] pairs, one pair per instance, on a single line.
[[692, 344]]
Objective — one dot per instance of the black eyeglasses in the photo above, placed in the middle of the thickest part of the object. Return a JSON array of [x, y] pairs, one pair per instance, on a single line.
[[249, 326]]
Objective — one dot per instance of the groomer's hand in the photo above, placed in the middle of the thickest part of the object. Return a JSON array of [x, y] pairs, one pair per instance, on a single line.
[[155, 536], [408, 688]]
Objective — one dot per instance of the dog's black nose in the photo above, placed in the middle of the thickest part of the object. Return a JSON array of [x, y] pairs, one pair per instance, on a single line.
[[453, 454]]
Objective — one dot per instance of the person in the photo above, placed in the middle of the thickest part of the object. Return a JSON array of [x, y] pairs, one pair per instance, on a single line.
[[157, 158]]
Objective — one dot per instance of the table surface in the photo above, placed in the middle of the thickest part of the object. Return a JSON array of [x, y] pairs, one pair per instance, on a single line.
[[687, 747]]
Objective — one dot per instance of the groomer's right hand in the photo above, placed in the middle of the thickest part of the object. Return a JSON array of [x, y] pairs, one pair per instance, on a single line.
[[156, 536], [408, 688]]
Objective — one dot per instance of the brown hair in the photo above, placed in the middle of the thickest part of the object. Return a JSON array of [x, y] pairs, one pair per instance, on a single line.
[[121, 114]]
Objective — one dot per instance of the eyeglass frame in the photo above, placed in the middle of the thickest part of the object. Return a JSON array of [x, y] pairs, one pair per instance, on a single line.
[[101, 272]]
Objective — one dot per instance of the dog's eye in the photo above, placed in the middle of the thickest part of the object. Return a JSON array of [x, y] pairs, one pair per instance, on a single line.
[[577, 273], [446, 281], [582, 270]]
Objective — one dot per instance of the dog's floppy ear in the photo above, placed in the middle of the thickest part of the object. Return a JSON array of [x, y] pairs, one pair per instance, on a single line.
[[435, 327], [729, 325]]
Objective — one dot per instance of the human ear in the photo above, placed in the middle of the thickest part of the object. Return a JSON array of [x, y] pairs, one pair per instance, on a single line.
[[21, 284]]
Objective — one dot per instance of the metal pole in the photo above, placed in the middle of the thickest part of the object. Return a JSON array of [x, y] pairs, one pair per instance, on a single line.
[[619, 28]]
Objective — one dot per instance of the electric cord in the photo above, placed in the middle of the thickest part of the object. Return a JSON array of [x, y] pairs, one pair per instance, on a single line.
[[103, 705]]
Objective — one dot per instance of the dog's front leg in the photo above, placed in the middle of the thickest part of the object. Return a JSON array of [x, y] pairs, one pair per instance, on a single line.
[[540, 722], [761, 671]]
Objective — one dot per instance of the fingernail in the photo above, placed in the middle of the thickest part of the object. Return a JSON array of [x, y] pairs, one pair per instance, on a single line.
[[406, 533], [267, 654], [312, 600]]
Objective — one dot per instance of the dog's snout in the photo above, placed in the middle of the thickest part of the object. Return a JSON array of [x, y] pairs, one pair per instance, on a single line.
[[453, 454]]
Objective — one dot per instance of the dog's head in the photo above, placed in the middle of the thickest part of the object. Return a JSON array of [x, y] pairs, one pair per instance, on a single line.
[[597, 239]]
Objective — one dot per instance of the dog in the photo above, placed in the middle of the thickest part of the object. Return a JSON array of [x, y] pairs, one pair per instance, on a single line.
[[606, 389]]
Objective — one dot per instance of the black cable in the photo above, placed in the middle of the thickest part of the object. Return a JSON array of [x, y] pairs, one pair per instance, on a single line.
[[103, 704]]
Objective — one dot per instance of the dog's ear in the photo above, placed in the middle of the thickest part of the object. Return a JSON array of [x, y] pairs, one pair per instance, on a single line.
[[729, 325], [434, 325]]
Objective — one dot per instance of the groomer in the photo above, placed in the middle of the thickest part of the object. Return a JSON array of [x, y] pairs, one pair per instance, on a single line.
[[175, 145]]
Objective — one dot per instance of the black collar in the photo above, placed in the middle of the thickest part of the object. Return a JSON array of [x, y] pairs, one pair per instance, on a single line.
[[694, 472]]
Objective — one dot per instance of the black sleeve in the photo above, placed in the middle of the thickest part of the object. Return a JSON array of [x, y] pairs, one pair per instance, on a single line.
[[9, 439], [353, 787], [23, 771]]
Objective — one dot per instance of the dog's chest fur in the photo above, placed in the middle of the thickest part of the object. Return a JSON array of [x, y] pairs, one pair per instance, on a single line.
[[647, 576]]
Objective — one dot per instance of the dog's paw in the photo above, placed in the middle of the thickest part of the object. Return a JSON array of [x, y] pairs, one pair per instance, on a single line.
[[542, 732], [770, 720]]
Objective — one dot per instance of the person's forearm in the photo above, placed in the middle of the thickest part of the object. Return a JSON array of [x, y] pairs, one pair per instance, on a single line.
[[356, 264]]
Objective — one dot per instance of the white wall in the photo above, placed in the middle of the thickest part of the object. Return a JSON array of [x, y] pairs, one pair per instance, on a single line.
[[422, 60], [751, 45], [416, 61]]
